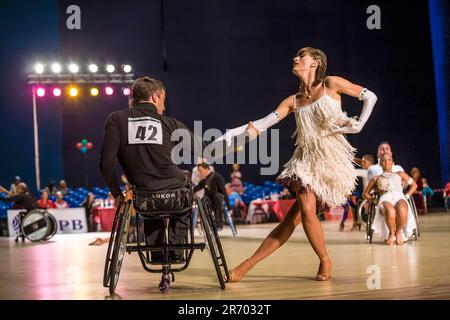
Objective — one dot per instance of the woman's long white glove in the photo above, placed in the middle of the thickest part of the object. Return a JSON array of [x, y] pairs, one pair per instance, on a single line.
[[369, 99], [261, 124]]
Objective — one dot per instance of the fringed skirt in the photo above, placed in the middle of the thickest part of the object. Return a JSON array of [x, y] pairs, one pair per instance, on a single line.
[[332, 177]]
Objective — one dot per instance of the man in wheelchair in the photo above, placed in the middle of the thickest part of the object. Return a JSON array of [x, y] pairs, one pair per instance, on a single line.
[[140, 137]]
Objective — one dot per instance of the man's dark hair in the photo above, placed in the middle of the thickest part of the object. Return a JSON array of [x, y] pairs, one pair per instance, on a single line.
[[383, 142], [203, 165], [143, 88]]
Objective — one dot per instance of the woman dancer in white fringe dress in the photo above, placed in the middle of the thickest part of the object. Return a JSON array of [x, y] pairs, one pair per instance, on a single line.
[[394, 219], [321, 168]]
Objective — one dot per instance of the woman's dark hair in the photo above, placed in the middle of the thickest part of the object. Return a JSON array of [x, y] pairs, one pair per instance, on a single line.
[[142, 89], [321, 60]]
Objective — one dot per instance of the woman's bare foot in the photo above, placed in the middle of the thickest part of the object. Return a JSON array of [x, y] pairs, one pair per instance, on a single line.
[[324, 272], [240, 271], [390, 240], [399, 238], [99, 242]]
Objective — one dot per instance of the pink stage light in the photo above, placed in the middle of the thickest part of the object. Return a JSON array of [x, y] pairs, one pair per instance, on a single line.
[[40, 92], [126, 91], [109, 91], [56, 92]]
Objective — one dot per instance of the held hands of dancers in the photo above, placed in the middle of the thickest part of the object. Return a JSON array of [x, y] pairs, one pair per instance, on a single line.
[[369, 99]]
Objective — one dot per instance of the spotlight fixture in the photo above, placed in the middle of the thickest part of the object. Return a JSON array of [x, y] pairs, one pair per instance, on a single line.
[[56, 68], [109, 91], [126, 91], [110, 68], [39, 68], [73, 68], [94, 92], [40, 92], [93, 68], [56, 92], [73, 92], [126, 68]]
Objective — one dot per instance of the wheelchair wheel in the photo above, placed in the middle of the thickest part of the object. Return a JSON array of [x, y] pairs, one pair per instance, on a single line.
[[362, 211], [370, 217], [416, 217], [107, 270], [120, 247], [215, 247], [53, 227]]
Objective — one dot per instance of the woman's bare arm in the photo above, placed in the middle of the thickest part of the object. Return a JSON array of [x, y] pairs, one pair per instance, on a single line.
[[340, 85], [408, 180], [366, 194]]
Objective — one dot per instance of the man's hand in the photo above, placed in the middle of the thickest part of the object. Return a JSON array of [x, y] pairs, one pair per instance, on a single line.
[[252, 131], [119, 200]]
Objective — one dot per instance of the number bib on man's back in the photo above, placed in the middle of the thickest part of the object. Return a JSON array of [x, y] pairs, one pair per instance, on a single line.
[[144, 130]]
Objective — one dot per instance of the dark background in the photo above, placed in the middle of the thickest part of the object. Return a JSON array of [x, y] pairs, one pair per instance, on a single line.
[[223, 62]]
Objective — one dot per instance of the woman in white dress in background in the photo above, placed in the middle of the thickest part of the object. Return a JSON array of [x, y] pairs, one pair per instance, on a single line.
[[321, 169], [394, 219]]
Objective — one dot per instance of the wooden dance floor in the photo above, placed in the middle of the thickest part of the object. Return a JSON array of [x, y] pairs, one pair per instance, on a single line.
[[67, 268]]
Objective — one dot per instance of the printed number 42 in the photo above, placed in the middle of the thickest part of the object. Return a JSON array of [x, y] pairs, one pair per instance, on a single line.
[[141, 133]]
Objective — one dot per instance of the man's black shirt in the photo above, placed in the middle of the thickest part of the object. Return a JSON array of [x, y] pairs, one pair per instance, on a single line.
[[22, 201], [214, 183]]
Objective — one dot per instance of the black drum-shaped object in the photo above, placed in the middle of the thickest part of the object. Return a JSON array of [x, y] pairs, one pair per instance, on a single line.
[[38, 225]]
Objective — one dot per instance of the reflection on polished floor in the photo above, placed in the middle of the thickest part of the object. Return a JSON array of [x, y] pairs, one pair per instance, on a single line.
[[67, 268]]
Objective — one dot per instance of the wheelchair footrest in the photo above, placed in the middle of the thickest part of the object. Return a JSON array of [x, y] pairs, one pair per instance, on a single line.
[[134, 248]]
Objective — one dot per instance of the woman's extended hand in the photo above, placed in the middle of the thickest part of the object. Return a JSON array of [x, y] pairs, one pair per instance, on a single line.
[[252, 131]]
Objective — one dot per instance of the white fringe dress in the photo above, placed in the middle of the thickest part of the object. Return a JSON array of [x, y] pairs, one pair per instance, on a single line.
[[322, 161]]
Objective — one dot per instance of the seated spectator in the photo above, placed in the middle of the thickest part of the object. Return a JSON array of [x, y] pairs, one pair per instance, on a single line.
[[236, 179], [446, 195], [236, 203], [417, 196], [63, 187], [427, 193], [89, 205], [286, 194], [44, 202], [60, 203], [51, 189], [13, 187], [110, 202]]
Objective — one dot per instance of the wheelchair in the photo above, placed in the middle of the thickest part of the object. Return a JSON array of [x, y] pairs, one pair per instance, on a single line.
[[366, 214], [36, 225], [118, 245]]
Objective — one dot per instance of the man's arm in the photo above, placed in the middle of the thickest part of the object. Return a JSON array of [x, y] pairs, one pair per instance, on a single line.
[[110, 148], [221, 188], [201, 185]]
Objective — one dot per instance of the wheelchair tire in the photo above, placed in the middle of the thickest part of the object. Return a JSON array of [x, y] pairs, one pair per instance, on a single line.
[[416, 217], [53, 229], [107, 270], [370, 217], [120, 247], [215, 247]]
